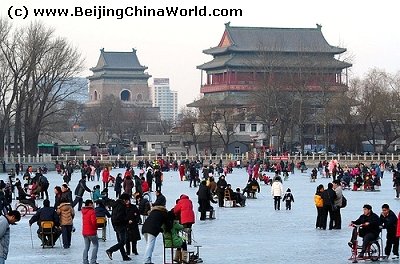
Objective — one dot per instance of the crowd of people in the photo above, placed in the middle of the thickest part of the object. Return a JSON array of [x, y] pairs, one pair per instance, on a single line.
[[133, 205], [131, 208]]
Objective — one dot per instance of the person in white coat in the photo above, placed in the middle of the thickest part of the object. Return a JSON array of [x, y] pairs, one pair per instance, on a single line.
[[277, 192]]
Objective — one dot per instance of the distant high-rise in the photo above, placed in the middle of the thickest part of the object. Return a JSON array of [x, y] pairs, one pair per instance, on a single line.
[[165, 99], [76, 89]]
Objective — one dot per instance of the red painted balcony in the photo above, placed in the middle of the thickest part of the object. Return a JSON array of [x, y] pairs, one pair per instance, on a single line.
[[214, 88]]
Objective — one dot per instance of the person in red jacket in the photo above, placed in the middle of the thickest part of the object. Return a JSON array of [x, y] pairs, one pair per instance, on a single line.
[[145, 185], [89, 232], [184, 210], [181, 171], [105, 177]]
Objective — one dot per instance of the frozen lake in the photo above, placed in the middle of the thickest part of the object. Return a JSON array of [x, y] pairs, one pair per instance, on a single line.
[[254, 234]]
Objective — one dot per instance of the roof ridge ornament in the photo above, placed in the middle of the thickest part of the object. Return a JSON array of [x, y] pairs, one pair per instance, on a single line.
[[227, 24], [319, 26]]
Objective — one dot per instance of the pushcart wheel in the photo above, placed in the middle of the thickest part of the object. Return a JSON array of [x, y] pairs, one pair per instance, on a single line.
[[374, 251], [22, 209]]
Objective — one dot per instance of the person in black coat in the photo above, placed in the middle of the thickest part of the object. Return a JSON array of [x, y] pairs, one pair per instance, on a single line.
[[138, 184], [143, 204], [149, 178], [328, 196], [152, 227], [158, 179], [23, 197], [160, 200], [47, 213], [221, 186], [101, 210], [119, 220], [192, 175], [389, 222], [118, 185], [79, 191], [133, 228], [369, 229], [66, 193], [204, 197]]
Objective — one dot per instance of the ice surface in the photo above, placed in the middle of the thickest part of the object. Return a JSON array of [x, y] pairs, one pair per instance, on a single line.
[[254, 234]]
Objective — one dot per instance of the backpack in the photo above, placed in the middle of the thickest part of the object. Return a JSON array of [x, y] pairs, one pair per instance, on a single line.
[[344, 202]]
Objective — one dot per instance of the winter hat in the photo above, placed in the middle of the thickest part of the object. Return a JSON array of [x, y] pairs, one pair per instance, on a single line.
[[367, 206], [88, 202], [288, 190]]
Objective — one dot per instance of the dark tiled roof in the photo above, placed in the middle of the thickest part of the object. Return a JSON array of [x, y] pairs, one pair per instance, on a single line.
[[276, 39], [227, 101], [273, 60], [118, 61], [74, 138]]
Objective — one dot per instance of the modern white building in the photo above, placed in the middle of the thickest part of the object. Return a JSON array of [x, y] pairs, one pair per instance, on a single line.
[[165, 99]]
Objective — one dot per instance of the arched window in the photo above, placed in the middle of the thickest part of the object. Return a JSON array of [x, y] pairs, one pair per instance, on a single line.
[[125, 95], [95, 95], [139, 97]]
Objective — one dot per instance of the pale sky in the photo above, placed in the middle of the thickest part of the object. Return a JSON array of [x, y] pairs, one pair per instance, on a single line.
[[172, 46]]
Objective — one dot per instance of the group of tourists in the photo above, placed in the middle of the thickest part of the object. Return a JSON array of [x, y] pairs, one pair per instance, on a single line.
[[211, 191], [363, 177], [329, 201], [126, 215], [132, 205]]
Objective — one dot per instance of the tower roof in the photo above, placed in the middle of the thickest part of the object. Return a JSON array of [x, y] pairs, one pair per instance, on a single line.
[[247, 39], [238, 60], [114, 60]]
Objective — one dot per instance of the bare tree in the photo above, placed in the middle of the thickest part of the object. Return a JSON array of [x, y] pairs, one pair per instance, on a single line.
[[268, 88], [16, 71], [373, 98], [96, 118], [226, 121], [383, 92], [344, 108], [207, 122], [75, 110], [6, 85], [187, 123], [53, 63], [166, 126]]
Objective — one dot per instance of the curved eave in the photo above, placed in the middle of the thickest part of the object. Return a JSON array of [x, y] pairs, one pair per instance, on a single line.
[[215, 50], [333, 51], [118, 69], [145, 77], [220, 51], [339, 50], [340, 65]]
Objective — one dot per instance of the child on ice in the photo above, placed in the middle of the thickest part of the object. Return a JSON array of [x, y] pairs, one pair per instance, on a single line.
[[288, 197]]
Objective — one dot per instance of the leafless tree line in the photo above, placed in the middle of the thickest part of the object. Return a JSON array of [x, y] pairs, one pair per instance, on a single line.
[[35, 66]]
